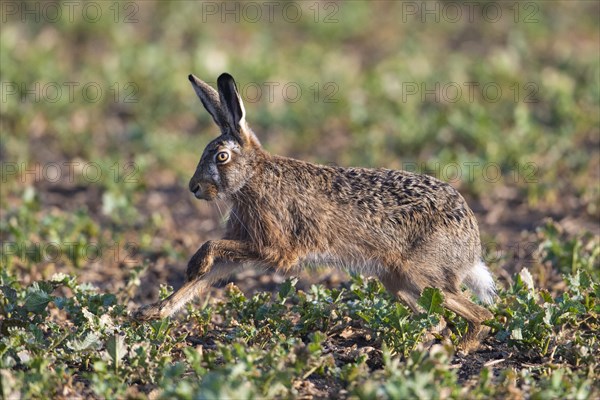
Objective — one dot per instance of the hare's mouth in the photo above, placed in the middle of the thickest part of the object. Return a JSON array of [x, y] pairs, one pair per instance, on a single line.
[[207, 193], [204, 195]]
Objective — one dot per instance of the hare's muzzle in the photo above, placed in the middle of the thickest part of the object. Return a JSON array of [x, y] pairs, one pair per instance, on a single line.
[[195, 188], [203, 191], [198, 192]]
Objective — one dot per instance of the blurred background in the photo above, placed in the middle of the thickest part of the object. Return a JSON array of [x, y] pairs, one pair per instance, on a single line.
[[101, 130]]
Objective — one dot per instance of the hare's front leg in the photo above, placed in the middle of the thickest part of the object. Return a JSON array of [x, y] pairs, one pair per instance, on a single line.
[[216, 259], [220, 250]]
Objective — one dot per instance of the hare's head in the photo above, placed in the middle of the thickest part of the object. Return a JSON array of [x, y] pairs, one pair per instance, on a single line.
[[228, 161]]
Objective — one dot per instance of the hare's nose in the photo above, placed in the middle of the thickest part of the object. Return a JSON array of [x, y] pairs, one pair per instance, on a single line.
[[194, 187]]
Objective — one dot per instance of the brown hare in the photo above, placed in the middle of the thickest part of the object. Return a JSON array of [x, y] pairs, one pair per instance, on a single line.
[[411, 231]]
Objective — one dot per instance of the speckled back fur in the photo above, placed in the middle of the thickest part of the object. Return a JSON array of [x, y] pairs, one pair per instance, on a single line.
[[291, 209]]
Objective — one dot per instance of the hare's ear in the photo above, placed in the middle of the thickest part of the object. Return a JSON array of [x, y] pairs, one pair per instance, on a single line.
[[210, 100], [232, 102]]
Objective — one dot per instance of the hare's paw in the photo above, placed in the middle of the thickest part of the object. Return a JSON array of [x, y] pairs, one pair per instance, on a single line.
[[471, 341], [192, 271], [148, 312], [198, 265]]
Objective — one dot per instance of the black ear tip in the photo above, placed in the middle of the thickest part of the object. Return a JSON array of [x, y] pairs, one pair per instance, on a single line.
[[225, 76], [225, 80], [194, 79]]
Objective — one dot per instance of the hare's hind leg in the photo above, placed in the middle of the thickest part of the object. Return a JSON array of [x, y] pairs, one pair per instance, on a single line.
[[397, 286], [215, 260], [409, 294], [470, 311], [464, 307]]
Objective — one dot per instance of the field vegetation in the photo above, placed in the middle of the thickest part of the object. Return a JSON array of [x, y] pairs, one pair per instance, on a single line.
[[101, 131]]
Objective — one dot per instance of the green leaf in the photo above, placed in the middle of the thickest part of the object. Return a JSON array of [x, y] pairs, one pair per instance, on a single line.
[[516, 334], [37, 301], [116, 349], [90, 340], [585, 281], [9, 293], [60, 278], [108, 299], [99, 366], [317, 338], [548, 313], [161, 328], [431, 300], [287, 288], [546, 296]]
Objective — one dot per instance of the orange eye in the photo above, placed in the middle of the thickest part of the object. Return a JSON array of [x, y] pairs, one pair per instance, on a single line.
[[222, 156]]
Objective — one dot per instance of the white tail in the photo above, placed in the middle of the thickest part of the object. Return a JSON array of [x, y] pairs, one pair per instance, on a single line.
[[480, 281]]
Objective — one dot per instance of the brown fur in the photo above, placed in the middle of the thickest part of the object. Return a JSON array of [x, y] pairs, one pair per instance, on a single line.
[[411, 231]]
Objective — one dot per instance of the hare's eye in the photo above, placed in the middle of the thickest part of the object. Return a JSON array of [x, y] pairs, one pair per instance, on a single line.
[[222, 156]]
